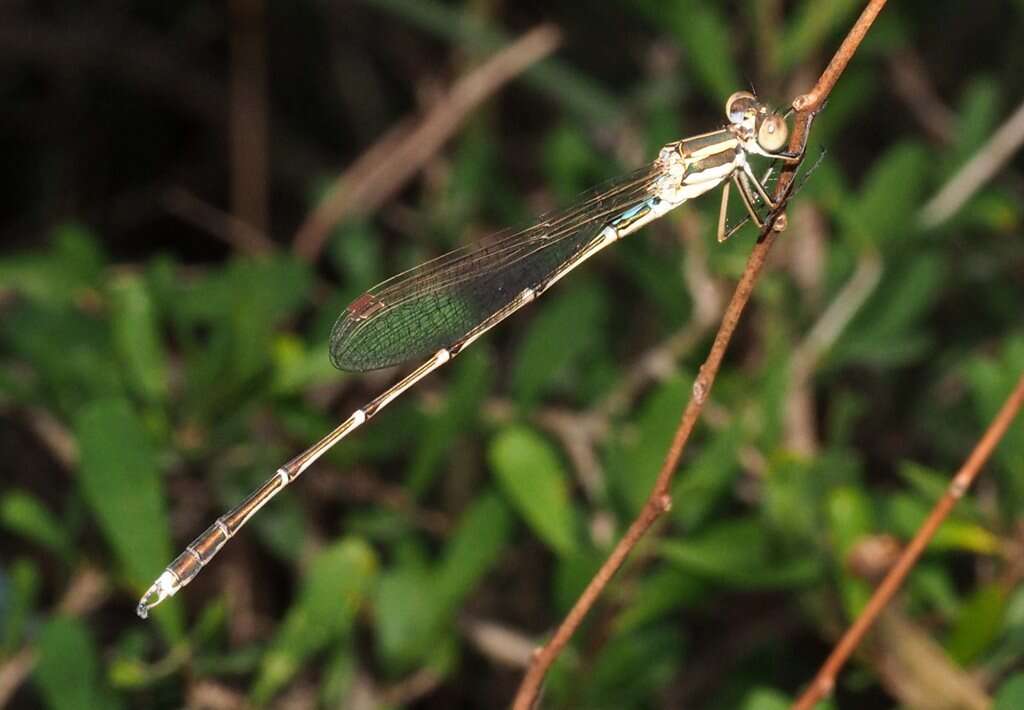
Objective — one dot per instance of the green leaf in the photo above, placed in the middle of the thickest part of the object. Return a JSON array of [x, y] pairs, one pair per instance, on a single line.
[[69, 352], [884, 211], [907, 513], [568, 159], [932, 485], [21, 513], [978, 624], [474, 183], [631, 668], [560, 335], [815, 21], [121, 484], [355, 250], [341, 677], [481, 536], [408, 617], [1011, 694], [72, 267], [332, 594], [846, 103], [771, 699], [415, 605], [738, 553], [703, 32], [636, 455], [850, 516], [978, 116], [21, 582], [887, 331], [932, 586], [458, 415], [67, 668], [530, 474], [267, 288], [991, 380], [706, 480], [241, 306], [655, 275], [135, 332], [793, 494], [850, 519], [571, 576], [661, 593], [298, 366], [766, 699]]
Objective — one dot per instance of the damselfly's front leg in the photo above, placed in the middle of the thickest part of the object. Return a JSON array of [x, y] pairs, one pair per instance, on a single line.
[[748, 202], [748, 177]]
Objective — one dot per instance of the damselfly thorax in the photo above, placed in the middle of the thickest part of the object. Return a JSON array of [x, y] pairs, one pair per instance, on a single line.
[[437, 309]]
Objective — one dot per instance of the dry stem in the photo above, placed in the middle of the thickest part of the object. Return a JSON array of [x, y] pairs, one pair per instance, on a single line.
[[659, 500], [825, 680], [394, 159], [981, 168], [248, 116], [232, 230]]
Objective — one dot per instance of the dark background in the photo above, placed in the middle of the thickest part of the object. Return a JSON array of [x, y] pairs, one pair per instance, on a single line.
[[163, 348]]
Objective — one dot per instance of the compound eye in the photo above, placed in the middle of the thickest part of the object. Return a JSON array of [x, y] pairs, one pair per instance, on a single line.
[[772, 133], [737, 106]]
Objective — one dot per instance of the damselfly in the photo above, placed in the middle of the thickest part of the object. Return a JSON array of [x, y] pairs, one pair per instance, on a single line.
[[438, 308]]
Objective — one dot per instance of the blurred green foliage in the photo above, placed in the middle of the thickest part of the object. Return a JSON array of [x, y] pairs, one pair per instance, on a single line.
[[149, 380]]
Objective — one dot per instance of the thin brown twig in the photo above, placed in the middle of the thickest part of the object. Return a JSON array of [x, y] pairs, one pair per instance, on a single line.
[[386, 167], [248, 115], [57, 438], [815, 98], [238, 234], [916, 670], [498, 642], [800, 411], [408, 690], [824, 681], [214, 696], [911, 83], [830, 325], [577, 437], [981, 168], [14, 670], [659, 501]]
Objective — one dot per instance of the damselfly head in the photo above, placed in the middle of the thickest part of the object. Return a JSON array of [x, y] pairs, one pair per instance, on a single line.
[[760, 128], [772, 132], [742, 107]]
